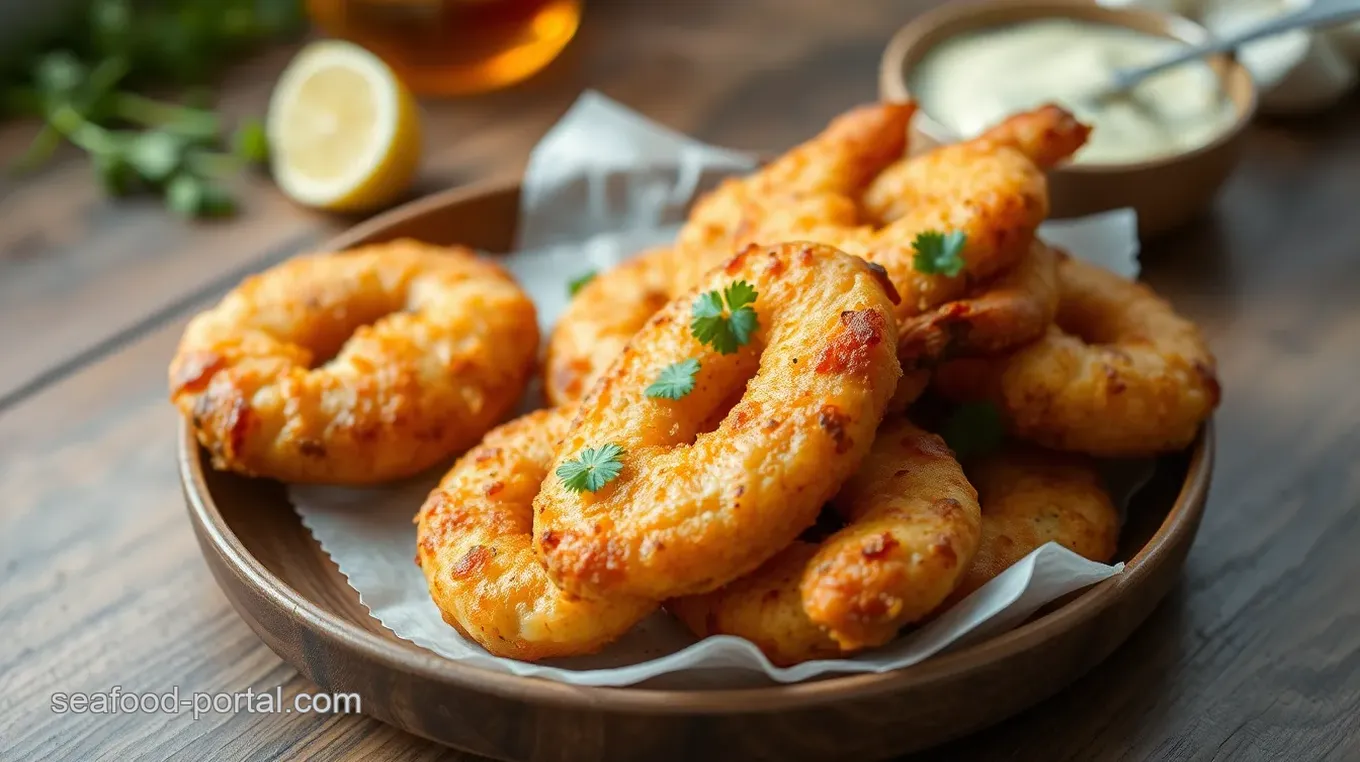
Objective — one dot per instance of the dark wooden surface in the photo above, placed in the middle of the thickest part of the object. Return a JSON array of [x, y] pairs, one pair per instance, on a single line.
[[1255, 656]]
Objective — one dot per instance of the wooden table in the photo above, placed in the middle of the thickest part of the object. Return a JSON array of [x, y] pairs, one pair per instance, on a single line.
[[1255, 656]]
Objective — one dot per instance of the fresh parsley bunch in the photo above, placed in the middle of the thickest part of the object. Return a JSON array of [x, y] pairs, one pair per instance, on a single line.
[[80, 83]]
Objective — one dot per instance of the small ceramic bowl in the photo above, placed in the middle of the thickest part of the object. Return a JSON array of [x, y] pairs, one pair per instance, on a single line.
[[1166, 192]]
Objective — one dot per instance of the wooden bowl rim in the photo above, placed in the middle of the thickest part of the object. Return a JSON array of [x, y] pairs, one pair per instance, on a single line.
[[1183, 516], [979, 14]]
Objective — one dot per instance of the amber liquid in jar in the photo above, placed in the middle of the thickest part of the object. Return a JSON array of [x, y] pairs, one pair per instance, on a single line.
[[450, 47]]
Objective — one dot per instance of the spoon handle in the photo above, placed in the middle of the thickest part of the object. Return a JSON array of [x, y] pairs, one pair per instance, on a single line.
[[1320, 13]]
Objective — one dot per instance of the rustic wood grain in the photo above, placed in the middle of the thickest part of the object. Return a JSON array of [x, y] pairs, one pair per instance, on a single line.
[[1256, 656]]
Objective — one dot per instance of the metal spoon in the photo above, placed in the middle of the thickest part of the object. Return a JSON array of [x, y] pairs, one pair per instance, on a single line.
[[1320, 13]]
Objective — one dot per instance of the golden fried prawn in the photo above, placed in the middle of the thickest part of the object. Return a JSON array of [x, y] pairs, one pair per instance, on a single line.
[[1119, 374], [818, 179], [475, 546], [1031, 497], [1008, 311], [356, 367], [764, 607], [912, 526], [837, 164], [1028, 497], [991, 188], [912, 530], [693, 509], [600, 320], [1043, 137]]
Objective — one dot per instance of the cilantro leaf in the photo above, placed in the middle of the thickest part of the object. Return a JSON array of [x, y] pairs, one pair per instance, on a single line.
[[575, 285], [708, 305], [939, 253], [973, 429], [739, 295], [719, 330], [675, 380], [742, 324], [592, 468]]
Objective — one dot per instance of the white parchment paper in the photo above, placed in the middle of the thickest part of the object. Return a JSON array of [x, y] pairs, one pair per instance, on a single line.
[[602, 185]]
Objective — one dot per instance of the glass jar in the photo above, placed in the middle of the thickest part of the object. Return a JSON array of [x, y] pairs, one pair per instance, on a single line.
[[451, 47]]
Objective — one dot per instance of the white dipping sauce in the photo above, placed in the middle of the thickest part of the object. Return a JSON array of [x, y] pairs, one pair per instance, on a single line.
[[973, 81]]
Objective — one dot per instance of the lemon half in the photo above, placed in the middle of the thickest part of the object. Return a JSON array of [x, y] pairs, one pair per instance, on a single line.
[[344, 132]]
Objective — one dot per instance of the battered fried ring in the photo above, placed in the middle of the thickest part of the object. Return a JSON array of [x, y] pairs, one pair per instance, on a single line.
[[1013, 309], [1120, 374], [1031, 497], [600, 320], [357, 367], [913, 527], [475, 547], [695, 509], [1028, 497]]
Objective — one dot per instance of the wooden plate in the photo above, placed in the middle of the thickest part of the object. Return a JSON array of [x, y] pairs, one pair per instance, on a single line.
[[293, 596]]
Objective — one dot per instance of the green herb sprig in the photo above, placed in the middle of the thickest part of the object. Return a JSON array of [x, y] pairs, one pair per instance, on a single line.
[[675, 380], [575, 285], [939, 253], [725, 331], [83, 81], [592, 468]]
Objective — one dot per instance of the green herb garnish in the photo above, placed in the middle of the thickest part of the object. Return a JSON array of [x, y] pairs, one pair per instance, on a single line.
[[592, 469], [675, 380], [83, 82], [725, 331], [575, 285], [939, 253]]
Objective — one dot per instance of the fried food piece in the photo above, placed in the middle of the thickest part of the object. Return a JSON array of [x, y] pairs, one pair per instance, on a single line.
[[357, 367], [1031, 497], [1120, 374], [1028, 497], [600, 320], [1044, 137], [1013, 309], [991, 188], [834, 166], [475, 546], [913, 524], [694, 509], [912, 527], [828, 170], [764, 607]]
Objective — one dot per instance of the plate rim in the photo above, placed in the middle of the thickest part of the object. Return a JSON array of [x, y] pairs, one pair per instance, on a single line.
[[1183, 516]]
